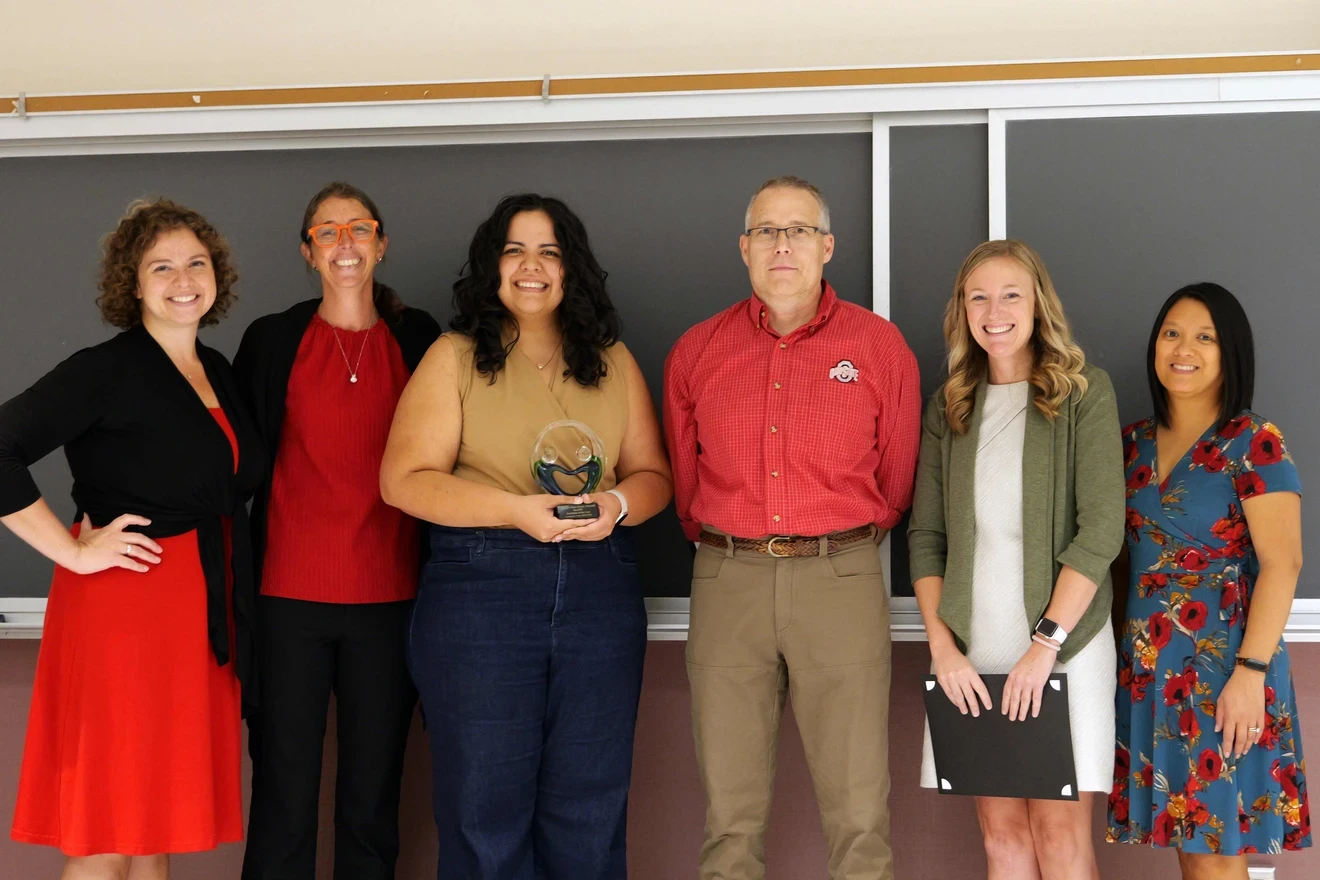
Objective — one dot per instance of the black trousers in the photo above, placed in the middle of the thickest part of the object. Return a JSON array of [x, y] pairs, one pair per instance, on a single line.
[[308, 650]]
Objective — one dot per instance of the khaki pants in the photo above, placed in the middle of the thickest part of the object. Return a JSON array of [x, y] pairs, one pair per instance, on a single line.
[[818, 627]]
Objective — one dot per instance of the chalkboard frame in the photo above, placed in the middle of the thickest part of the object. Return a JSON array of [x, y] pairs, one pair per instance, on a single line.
[[823, 110]]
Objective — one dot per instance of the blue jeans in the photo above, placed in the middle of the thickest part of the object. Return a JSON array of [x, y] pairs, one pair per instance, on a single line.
[[528, 658]]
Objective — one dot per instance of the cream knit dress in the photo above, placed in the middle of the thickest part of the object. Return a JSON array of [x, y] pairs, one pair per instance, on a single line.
[[1000, 632]]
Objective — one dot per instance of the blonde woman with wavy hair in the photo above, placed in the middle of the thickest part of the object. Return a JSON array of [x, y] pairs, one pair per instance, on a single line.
[[1058, 369], [1017, 514]]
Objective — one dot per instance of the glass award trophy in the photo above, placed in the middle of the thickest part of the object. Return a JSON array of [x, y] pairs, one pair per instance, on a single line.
[[569, 459]]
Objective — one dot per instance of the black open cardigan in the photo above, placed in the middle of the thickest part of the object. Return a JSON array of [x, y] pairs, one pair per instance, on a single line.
[[263, 365], [139, 440]]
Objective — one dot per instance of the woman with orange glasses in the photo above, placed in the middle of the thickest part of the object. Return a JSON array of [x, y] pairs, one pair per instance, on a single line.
[[337, 566]]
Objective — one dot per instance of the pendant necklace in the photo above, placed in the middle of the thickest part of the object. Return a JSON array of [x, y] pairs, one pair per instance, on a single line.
[[352, 368], [549, 359]]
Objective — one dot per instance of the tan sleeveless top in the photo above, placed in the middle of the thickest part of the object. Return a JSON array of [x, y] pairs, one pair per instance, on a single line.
[[501, 421]]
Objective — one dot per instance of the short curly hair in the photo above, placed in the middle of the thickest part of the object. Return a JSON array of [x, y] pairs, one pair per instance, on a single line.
[[145, 221]]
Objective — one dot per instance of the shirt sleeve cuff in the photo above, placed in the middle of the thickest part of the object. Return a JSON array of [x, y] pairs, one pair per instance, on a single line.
[[1088, 564], [928, 568], [18, 491]]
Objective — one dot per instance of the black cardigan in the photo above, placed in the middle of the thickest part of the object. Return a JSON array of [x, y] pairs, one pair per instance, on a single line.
[[263, 365], [139, 440]]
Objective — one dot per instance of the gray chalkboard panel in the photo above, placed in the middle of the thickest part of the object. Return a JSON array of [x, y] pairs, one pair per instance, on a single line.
[[1125, 211], [938, 212], [664, 218]]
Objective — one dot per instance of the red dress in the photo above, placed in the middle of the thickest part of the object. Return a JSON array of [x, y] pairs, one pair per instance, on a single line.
[[133, 741]]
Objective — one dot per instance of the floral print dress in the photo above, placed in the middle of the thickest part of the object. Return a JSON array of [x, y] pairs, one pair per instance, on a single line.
[[1193, 571]]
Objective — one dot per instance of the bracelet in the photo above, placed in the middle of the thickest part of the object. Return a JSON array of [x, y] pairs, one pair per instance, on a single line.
[[1040, 640], [1253, 664]]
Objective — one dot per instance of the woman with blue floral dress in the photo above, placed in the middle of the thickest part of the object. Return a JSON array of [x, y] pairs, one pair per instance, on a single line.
[[1209, 751]]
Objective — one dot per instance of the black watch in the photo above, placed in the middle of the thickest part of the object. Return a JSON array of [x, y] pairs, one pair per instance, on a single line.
[[1253, 664]]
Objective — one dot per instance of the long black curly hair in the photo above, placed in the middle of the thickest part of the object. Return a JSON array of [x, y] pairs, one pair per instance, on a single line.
[[588, 320]]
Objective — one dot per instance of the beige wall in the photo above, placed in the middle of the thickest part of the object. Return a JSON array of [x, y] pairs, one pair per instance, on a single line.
[[84, 46]]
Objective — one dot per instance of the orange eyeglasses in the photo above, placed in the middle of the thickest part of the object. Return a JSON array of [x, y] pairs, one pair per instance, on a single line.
[[327, 235]]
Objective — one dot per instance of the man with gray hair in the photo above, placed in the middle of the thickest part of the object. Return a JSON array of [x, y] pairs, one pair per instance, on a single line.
[[793, 421]]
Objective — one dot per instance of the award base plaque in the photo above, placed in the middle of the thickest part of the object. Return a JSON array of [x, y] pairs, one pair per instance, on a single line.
[[577, 511]]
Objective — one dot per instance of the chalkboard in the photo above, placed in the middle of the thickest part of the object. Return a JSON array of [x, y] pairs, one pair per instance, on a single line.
[[938, 212], [1127, 210], [663, 216]]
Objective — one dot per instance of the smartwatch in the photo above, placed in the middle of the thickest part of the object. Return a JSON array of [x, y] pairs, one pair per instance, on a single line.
[[623, 501], [1048, 629]]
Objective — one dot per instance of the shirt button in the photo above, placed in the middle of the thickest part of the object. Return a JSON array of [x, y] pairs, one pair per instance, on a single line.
[[777, 386], [774, 430], [774, 473], [776, 517], [783, 345]]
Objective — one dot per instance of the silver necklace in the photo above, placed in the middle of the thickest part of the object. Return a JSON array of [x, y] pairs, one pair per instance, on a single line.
[[352, 368]]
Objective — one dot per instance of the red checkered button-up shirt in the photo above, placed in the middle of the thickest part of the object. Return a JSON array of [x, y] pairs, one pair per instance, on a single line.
[[805, 434]]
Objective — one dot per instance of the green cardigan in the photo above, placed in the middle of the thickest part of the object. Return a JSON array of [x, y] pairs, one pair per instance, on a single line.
[[1072, 506]]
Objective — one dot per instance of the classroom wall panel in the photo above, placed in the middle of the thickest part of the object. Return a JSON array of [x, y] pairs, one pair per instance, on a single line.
[[1126, 210], [937, 214]]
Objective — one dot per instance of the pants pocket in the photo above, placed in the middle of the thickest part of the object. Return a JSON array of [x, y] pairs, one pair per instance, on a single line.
[[707, 564], [860, 560]]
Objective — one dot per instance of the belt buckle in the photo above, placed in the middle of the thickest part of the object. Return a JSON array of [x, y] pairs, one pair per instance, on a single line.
[[770, 547]]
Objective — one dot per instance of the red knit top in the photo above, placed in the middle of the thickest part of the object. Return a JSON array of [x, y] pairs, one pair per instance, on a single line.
[[330, 537]]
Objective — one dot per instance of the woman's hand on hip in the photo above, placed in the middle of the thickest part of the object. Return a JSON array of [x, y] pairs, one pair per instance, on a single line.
[[113, 547], [594, 529], [960, 680], [1025, 686]]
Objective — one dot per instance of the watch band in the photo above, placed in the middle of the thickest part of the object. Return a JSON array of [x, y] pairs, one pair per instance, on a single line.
[[1253, 664], [623, 500]]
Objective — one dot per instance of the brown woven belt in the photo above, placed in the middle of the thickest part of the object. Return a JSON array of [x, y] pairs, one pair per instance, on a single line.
[[782, 546]]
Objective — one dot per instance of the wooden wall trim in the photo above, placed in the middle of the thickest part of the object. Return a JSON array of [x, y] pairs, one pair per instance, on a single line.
[[704, 82]]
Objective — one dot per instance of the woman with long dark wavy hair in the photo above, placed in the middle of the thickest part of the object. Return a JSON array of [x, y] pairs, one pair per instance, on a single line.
[[338, 567], [527, 639]]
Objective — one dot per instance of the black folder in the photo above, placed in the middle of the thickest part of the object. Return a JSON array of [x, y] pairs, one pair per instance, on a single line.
[[991, 756]]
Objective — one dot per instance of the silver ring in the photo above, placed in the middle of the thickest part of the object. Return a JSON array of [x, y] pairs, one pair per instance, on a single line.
[[1253, 730], [128, 549]]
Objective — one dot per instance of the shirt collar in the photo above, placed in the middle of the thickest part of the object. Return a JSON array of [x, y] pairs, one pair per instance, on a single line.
[[760, 318]]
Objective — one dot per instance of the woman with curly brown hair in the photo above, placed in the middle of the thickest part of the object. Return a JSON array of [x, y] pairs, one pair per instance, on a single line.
[[1016, 516], [133, 742]]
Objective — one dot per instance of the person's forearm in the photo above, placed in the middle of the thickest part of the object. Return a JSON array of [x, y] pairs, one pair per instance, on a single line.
[[40, 528], [446, 500], [648, 493], [1271, 603], [1073, 593], [928, 591]]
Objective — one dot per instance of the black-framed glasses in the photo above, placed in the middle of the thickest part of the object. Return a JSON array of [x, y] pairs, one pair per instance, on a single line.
[[766, 236]]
